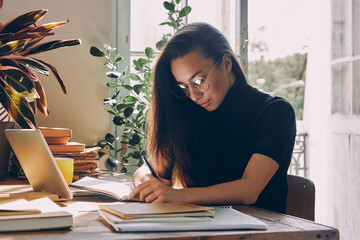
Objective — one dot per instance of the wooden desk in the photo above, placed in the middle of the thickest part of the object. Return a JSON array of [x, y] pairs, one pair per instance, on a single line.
[[89, 225]]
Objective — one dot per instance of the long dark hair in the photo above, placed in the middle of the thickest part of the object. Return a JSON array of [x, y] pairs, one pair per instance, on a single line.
[[170, 118]]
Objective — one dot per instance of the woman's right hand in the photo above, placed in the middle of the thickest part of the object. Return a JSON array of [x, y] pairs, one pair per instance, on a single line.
[[140, 175]]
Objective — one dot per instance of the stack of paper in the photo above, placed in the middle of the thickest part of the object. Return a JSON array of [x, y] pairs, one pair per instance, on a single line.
[[23, 215], [143, 217]]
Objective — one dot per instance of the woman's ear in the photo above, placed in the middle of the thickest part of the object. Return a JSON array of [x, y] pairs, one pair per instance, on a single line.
[[227, 63]]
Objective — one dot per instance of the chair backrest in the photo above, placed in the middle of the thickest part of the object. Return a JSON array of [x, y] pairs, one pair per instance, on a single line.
[[301, 197]]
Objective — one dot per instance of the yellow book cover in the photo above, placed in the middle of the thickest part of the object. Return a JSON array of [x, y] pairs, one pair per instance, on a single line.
[[151, 210]]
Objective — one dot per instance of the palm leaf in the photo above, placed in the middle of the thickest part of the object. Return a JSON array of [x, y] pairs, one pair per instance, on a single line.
[[55, 72], [18, 80], [9, 61], [22, 21], [17, 107], [5, 35], [32, 64], [51, 45], [45, 27], [41, 102], [31, 43], [27, 35], [11, 47]]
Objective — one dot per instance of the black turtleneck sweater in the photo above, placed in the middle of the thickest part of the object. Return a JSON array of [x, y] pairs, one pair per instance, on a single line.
[[248, 121]]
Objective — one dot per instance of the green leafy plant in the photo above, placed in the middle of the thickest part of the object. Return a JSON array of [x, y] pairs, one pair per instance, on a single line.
[[130, 108], [21, 91]]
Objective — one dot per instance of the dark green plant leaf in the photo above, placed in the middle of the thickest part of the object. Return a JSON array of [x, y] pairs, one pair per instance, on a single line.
[[118, 58], [136, 155], [165, 23], [140, 107], [130, 99], [137, 88], [169, 6], [113, 85], [128, 87], [109, 138], [102, 144], [134, 77], [142, 62], [185, 11], [118, 121], [121, 106], [127, 131], [113, 74], [113, 162], [135, 140], [128, 111], [115, 94], [177, 1], [147, 76], [149, 52]]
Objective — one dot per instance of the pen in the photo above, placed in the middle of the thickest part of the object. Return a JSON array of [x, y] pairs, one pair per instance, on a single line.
[[149, 166]]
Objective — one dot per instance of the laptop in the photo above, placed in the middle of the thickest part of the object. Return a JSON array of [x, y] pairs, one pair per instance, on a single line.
[[37, 161]]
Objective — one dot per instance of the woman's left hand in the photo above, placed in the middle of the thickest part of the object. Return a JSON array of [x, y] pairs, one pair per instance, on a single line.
[[156, 191]]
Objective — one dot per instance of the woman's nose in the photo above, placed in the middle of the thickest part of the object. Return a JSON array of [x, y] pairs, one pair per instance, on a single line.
[[194, 95]]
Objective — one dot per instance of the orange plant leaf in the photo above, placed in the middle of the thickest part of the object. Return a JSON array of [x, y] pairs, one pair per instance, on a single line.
[[17, 107], [22, 21]]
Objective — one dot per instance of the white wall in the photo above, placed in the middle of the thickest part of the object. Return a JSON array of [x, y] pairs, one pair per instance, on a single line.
[[317, 104], [84, 76]]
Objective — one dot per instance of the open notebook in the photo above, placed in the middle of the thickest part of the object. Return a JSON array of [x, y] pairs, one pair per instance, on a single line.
[[117, 190]]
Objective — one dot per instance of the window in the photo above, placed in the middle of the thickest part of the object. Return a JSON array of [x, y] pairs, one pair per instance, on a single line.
[[145, 17], [345, 57], [278, 43]]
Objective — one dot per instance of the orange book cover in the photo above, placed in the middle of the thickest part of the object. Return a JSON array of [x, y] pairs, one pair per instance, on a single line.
[[49, 132], [69, 147]]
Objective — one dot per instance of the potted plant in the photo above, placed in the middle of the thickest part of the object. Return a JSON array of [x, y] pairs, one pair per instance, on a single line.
[[130, 110], [21, 91]]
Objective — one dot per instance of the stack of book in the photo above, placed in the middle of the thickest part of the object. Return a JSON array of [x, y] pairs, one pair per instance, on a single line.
[[58, 140], [25, 215], [154, 217], [85, 159], [85, 163]]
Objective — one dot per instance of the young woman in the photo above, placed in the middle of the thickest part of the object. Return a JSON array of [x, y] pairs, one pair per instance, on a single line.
[[213, 139]]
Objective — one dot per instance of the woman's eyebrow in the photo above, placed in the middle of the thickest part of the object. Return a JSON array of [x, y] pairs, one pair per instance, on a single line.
[[195, 74]]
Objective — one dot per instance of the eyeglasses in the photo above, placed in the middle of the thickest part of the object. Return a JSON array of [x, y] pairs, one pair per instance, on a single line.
[[197, 84]]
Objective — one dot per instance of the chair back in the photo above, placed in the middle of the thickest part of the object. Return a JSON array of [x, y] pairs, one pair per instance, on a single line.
[[301, 197]]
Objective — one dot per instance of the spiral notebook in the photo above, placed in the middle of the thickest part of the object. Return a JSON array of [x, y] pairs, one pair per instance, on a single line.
[[224, 219]]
